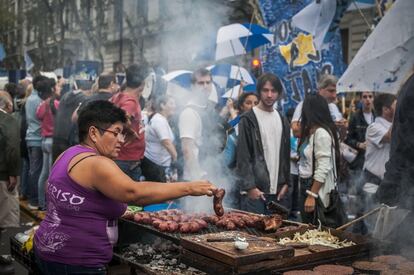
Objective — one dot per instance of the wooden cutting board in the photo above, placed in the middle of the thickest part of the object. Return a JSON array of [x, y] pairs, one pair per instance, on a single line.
[[259, 248]]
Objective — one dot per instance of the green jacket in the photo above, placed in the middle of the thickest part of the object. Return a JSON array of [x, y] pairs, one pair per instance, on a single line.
[[9, 146]]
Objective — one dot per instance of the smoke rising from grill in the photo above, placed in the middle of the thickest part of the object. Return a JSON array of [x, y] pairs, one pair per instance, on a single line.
[[188, 44]]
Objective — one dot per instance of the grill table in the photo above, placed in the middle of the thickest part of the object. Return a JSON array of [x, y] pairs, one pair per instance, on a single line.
[[300, 260]]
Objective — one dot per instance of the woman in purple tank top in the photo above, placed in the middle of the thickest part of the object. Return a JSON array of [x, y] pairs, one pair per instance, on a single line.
[[87, 193]]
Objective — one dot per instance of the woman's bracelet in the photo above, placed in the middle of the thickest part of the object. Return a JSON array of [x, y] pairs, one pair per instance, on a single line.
[[310, 193]]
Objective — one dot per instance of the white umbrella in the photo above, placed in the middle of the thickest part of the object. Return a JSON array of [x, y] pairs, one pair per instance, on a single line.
[[237, 39], [386, 58], [179, 77], [222, 73]]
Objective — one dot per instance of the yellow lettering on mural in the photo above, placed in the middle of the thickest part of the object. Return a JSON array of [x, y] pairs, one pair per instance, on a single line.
[[299, 50]]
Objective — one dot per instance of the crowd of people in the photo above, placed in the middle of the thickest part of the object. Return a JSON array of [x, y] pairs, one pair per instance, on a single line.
[[101, 145]]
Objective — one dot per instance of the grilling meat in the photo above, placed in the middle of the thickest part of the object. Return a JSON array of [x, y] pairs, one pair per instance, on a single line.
[[202, 223], [218, 202], [301, 272], [370, 267], [184, 227], [176, 221], [272, 222], [390, 259], [328, 269], [406, 266], [287, 228], [163, 226]]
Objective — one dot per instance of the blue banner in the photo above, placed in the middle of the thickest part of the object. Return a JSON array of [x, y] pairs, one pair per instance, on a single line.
[[293, 56]]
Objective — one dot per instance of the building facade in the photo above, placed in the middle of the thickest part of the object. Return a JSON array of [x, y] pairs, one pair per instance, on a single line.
[[173, 34]]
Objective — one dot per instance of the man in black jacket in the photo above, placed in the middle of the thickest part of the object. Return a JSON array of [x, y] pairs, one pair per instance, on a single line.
[[9, 173], [263, 150], [358, 127]]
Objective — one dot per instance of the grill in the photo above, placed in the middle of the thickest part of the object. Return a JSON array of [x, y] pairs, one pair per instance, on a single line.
[[175, 237], [362, 249]]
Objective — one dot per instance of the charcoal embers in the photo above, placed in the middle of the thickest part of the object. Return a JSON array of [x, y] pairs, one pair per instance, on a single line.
[[161, 257]]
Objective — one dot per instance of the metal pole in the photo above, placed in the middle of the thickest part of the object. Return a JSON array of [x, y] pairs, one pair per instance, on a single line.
[[121, 28]]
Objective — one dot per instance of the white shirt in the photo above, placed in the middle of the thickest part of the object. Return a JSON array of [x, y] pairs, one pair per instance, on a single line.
[[333, 109], [369, 118], [321, 140], [377, 153], [190, 126], [271, 128], [156, 131]]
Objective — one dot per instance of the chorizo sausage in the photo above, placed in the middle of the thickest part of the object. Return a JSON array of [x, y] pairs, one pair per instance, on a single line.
[[194, 227], [184, 227], [218, 202], [163, 226], [172, 226]]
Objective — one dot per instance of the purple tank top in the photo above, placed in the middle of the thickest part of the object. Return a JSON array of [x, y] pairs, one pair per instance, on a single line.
[[80, 226]]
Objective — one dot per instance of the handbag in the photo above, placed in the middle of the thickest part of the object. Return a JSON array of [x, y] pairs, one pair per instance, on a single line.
[[334, 215]]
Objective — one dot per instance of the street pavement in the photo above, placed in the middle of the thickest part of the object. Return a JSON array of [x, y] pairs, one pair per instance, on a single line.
[[25, 223]]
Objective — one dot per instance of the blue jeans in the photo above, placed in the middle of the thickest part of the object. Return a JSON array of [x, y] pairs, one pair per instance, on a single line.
[[130, 167], [35, 167], [47, 163], [52, 268], [305, 184], [24, 178]]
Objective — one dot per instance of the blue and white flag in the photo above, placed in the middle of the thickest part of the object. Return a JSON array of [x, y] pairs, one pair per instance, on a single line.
[[316, 19], [28, 61], [294, 57], [2, 52]]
